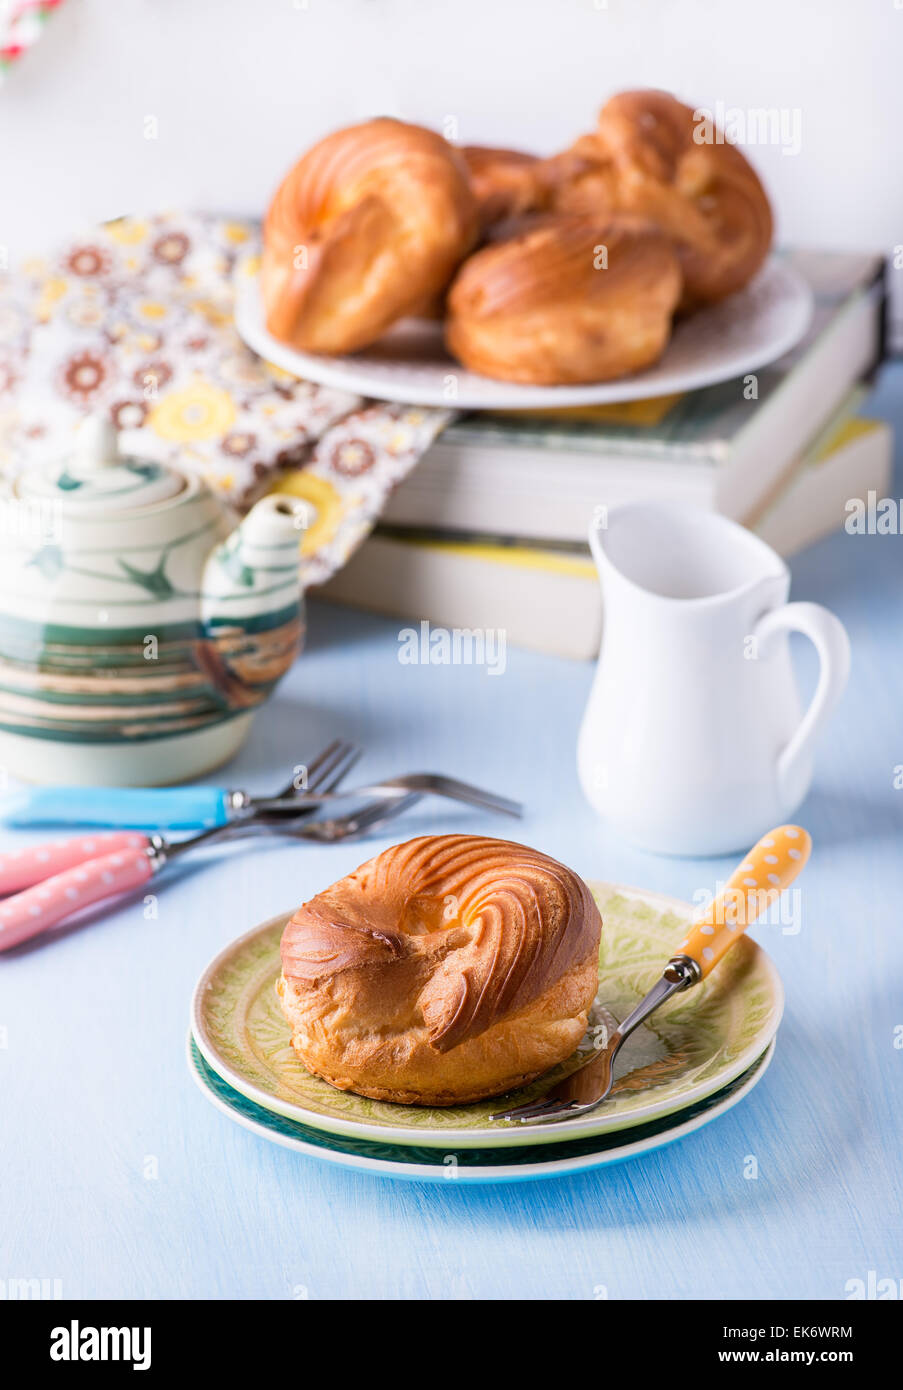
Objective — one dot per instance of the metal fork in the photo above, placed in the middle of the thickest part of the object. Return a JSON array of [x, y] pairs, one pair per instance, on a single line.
[[390, 789], [354, 826], [161, 851], [591, 1083]]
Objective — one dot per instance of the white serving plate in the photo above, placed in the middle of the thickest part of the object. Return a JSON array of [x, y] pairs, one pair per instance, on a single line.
[[410, 364]]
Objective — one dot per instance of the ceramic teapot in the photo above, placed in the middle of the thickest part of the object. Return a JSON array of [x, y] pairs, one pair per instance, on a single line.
[[141, 624]]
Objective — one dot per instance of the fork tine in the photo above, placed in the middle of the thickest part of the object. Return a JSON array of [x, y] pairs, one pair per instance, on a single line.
[[328, 752], [339, 770], [377, 812], [456, 790], [424, 783], [539, 1117], [326, 756], [534, 1110], [355, 825], [515, 1113], [320, 768]]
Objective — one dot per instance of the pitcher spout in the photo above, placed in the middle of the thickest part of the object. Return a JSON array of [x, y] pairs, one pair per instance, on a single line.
[[669, 551]]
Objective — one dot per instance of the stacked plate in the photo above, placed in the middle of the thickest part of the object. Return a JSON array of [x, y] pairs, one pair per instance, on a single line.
[[696, 1058]]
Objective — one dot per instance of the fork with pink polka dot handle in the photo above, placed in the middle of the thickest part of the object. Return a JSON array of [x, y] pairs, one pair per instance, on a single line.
[[768, 869], [136, 858], [22, 868], [88, 880], [71, 875], [50, 882]]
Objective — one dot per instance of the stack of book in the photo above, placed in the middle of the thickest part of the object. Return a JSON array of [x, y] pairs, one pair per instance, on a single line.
[[490, 529]]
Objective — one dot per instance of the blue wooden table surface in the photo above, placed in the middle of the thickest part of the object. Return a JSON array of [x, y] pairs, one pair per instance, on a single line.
[[121, 1181]]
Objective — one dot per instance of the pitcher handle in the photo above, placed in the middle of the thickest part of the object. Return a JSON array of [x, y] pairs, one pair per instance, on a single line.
[[832, 643]]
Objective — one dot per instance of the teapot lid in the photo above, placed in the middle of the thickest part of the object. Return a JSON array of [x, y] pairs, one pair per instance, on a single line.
[[96, 477]]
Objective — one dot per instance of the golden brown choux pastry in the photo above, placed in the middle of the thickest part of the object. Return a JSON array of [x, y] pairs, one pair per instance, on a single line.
[[505, 183], [580, 181], [649, 158], [445, 970], [369, 224], [566, 300]]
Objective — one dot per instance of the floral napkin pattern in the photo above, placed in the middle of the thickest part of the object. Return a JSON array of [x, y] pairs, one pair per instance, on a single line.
[[135, 321]]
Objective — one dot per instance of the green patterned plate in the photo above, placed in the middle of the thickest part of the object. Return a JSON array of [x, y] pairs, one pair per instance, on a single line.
[[691, 1048], [420, 1163]]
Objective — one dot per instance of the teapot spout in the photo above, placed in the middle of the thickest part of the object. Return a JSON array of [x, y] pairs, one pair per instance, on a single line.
[[251, 602], [255, 569], [275, 523]]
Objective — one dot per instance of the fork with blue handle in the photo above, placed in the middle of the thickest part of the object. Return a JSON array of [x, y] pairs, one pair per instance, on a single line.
[[200, 808]]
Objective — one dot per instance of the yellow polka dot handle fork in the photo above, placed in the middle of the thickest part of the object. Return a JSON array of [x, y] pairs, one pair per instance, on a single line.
[[766, 871], [769, 868]]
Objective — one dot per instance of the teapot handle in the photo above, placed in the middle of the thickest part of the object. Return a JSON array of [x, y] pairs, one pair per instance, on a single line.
[[832, 643]]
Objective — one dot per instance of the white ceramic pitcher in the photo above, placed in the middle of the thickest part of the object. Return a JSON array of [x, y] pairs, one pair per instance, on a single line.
[[693, 741]]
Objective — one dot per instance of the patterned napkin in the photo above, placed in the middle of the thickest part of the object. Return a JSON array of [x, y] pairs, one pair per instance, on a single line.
[[135, 321]]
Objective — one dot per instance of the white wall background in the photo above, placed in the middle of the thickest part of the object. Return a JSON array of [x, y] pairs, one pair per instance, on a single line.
[[240, 87]]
